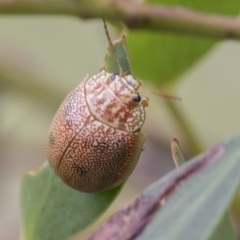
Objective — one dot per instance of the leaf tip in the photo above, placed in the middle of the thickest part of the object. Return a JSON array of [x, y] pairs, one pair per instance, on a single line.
[[37, 170]]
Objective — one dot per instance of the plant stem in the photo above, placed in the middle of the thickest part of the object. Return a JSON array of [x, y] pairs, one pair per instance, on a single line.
[[192, 142], [135, 15]]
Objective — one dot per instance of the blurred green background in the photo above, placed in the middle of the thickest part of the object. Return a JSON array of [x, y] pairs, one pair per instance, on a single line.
[[43, 58]]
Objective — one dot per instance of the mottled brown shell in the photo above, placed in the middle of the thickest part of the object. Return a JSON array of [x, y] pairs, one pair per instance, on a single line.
[[86, 153]]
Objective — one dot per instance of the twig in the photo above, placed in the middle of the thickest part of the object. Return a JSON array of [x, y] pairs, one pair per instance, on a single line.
[[135, 15]]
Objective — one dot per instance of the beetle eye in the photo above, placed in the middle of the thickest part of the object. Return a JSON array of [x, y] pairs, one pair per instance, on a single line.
[[113, 77], [136, 98]]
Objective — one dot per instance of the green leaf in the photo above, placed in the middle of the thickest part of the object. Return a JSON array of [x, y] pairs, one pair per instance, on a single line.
[[162, 57], [224, 230], [197, 207], [235, 210], [118, 57], [177, 155], [52, 210]]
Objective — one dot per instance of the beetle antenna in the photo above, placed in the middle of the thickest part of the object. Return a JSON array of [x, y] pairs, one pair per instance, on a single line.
[[111, 45], [160, 94]]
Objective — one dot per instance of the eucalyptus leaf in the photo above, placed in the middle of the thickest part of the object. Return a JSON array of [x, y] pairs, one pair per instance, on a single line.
[[52, 210], [161, 57], [199, 205]]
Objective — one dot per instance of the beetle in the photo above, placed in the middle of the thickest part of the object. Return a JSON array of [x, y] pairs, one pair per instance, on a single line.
[[95, 138]]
